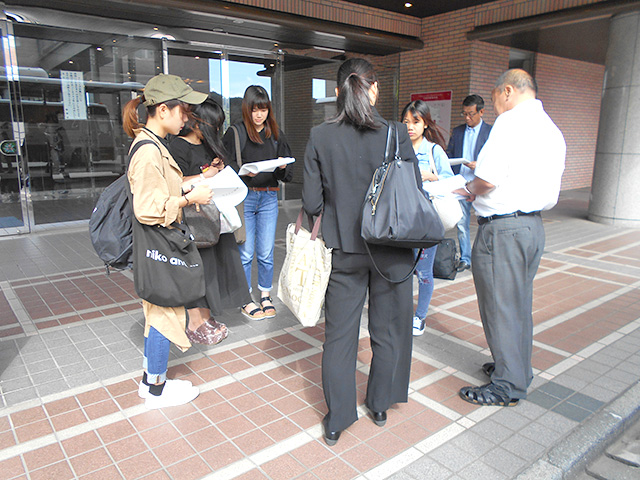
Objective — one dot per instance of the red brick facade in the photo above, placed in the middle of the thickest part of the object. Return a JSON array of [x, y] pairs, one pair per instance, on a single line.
[[570, 90]]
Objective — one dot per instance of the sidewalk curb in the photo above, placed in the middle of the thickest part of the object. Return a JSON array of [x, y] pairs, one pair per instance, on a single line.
[[588, 441]]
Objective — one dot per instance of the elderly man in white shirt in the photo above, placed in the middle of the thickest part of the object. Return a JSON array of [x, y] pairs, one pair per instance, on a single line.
[[518, 175]]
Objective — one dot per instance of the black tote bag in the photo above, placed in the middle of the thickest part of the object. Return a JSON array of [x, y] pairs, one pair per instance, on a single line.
[[167, 268], [396, 211]]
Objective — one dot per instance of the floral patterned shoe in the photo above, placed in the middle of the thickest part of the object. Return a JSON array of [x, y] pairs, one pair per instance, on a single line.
[[209, 333]]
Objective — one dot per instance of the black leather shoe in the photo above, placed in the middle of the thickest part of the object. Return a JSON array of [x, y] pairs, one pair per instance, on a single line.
[[379, 418], [462, 266], [331, 438]]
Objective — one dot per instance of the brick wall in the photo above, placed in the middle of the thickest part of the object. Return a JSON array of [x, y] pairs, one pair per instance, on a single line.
[[571, 94], [342, 12], [570, 90]]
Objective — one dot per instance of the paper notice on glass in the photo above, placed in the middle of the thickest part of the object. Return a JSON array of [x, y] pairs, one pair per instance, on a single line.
[[458, 161], [227, 187], [445, 187], [265, 165]]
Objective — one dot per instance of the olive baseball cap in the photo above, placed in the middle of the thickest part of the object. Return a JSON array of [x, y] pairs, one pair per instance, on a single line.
[[163, 88]]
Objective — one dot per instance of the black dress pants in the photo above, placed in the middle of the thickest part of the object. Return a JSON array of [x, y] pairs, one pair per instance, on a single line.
[[390, 328]]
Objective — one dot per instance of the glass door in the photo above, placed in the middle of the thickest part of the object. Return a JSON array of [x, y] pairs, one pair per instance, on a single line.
[[69, 88], [14, 211]]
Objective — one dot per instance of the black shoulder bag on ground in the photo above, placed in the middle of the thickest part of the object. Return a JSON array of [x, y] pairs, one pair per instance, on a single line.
[[444, 264], [396, 211]]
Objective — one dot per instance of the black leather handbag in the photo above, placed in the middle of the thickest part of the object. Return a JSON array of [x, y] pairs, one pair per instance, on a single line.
[[204, 223], [167, 267], [396, 211]]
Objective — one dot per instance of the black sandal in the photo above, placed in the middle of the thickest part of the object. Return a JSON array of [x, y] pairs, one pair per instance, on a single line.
[[269, 310], [487, 395]]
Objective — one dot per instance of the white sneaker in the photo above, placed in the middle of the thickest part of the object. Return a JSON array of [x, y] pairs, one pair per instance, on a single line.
[[173, 394], [143, 390], [419, 326]]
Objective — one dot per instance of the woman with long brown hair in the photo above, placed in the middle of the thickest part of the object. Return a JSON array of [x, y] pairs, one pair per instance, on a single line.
[[428, 144], [158, 198], [260, 139]]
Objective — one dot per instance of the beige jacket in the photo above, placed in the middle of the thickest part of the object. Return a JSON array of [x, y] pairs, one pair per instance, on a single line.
[[156, 184]]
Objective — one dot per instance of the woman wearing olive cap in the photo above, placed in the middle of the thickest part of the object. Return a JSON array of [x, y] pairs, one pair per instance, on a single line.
[[158, 198]]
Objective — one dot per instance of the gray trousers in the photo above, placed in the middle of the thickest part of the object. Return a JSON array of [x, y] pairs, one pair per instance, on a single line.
[[390, 327], [505, 258]]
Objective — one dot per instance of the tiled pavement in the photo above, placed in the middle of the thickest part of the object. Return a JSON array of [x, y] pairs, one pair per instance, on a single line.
[[70, 358]]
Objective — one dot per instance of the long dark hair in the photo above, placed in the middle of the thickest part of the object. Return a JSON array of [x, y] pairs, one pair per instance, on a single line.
[[256, 96], [355, 78], [206, 121], [420, 110]]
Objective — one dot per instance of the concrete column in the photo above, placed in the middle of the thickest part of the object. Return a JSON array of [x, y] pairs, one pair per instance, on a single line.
[[615, 190]]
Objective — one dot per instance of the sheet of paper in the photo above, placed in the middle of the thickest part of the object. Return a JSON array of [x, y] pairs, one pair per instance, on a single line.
[[227, 187], [458, 161], [265, 165], [445, 187]]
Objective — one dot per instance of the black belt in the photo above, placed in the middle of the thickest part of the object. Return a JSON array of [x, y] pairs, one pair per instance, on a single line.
[[483, 220]]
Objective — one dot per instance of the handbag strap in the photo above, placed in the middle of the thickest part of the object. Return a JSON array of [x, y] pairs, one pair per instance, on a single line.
[[314, 226], [406, 277], [432, 160], [387, 149], [236, 136]]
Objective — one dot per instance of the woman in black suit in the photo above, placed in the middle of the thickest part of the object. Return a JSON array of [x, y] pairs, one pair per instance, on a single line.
[[339, 162]]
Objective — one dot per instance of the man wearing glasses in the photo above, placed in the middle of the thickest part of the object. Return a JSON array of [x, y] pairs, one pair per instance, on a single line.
[[466, 142], [518, 175]]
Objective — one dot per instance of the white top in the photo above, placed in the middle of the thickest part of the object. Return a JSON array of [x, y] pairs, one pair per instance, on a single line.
[[524, 159]]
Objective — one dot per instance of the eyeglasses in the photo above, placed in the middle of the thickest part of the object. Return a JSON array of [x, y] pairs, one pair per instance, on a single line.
[[468, 114]]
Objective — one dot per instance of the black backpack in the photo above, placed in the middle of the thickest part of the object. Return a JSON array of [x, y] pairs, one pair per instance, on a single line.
[[110, 222]]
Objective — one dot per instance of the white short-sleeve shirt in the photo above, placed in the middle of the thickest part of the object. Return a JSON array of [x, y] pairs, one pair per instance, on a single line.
[[524, 159]]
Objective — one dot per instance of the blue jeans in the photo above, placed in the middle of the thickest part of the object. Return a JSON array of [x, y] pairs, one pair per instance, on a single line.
[[424, 269], [156, 356], [464, 233], [260, 218]]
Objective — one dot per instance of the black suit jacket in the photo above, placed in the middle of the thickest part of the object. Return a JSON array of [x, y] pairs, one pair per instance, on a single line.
[[455, 150], [338, 167]]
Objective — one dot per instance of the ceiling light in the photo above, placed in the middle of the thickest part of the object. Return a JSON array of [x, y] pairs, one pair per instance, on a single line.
[[408, 5]]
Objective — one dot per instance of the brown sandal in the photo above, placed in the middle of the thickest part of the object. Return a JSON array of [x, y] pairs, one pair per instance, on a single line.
[[255, 314], [269, 310]]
